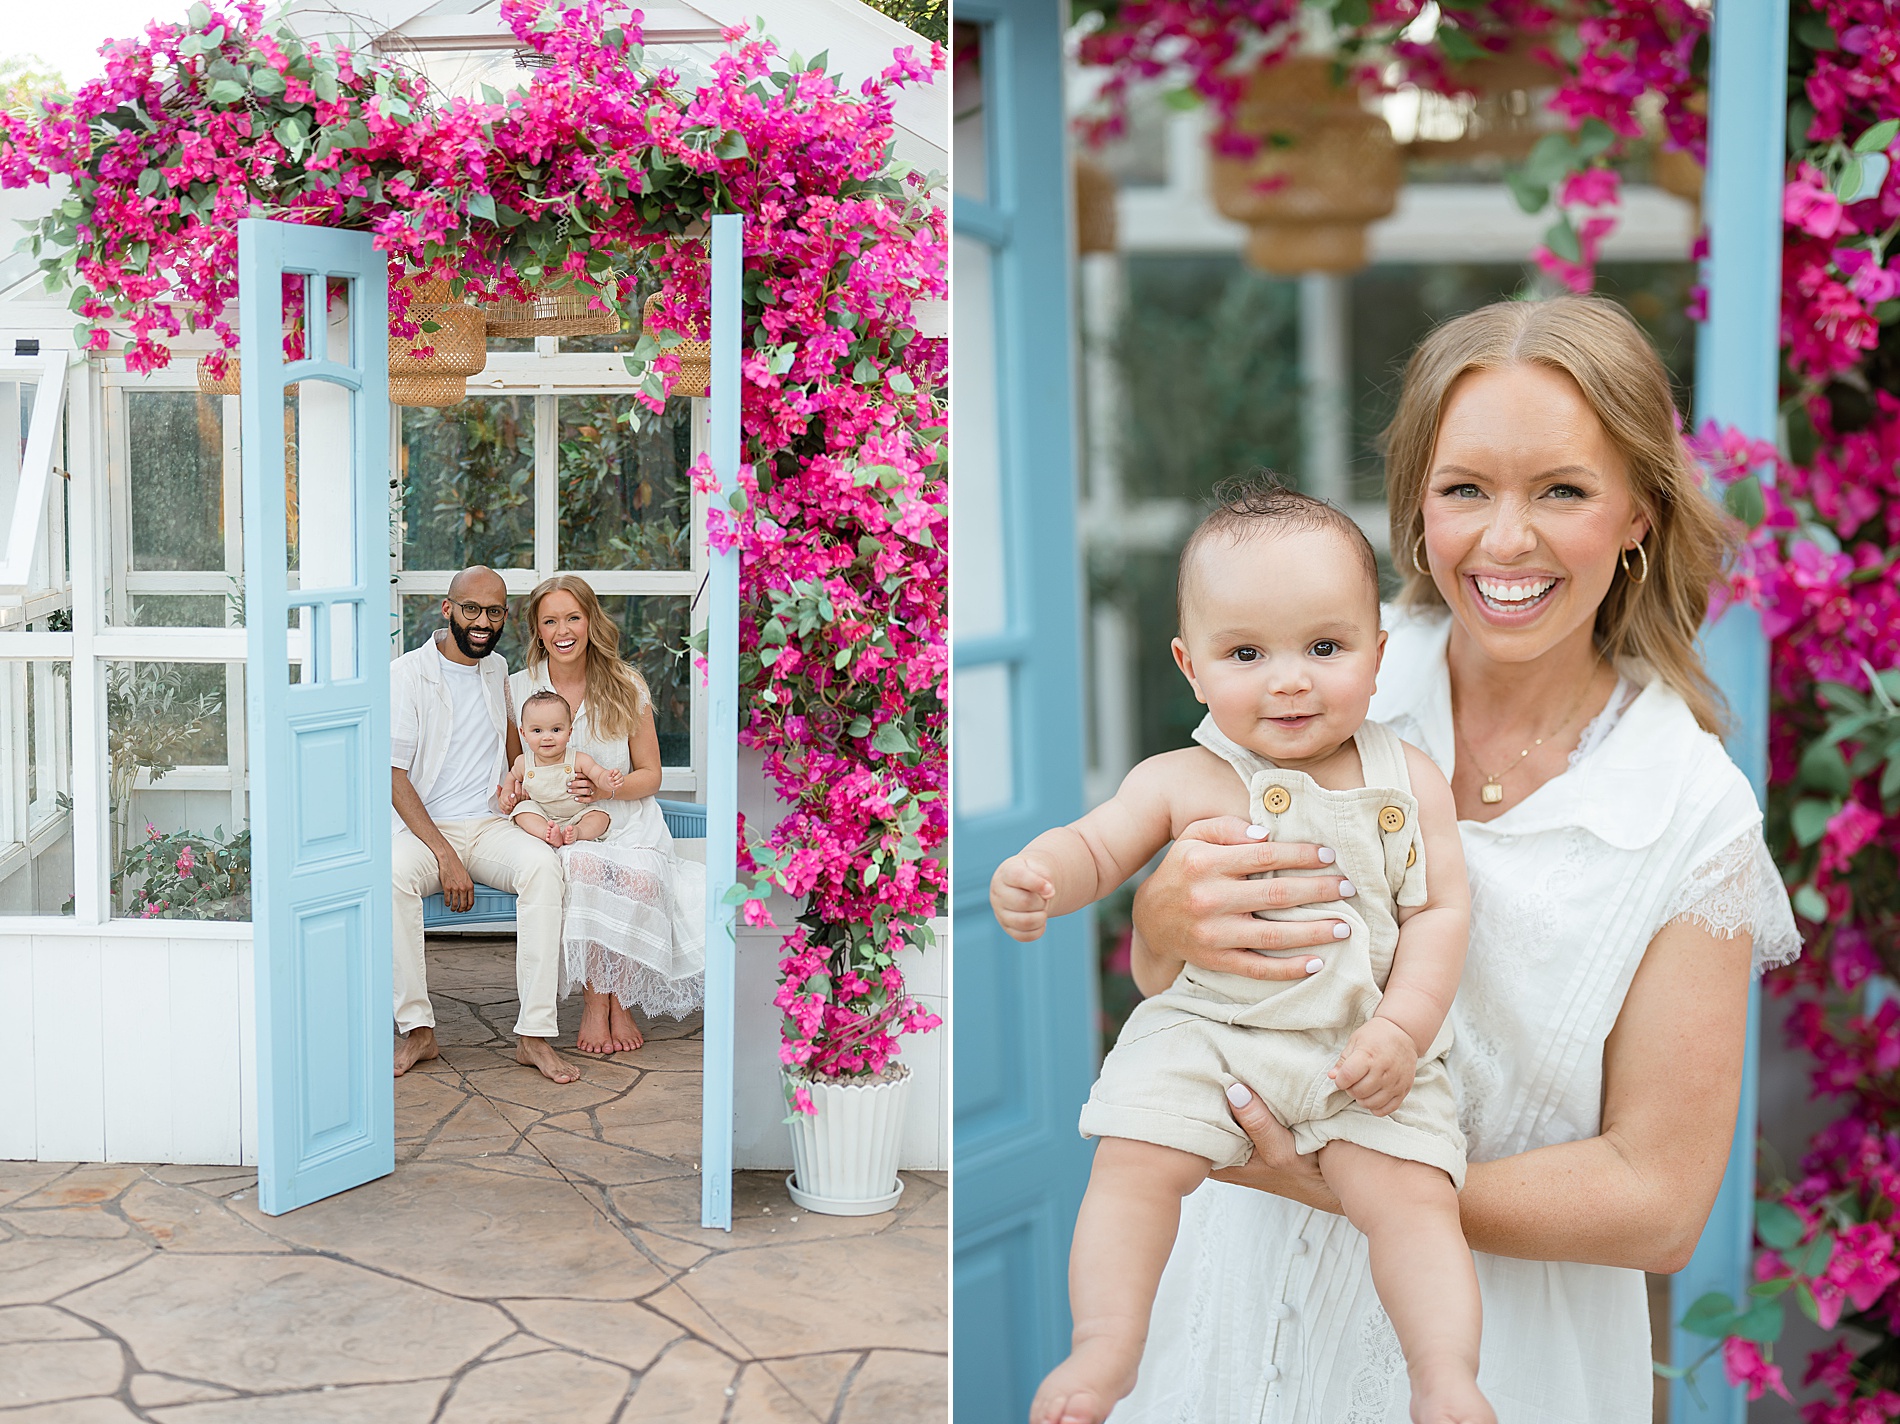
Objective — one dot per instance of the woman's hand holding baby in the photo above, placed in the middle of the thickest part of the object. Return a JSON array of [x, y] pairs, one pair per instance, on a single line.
[[1378, 1065], [1021, 892]]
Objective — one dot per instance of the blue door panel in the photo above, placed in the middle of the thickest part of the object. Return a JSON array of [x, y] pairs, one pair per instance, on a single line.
[[1026, 1013], [319, 791]]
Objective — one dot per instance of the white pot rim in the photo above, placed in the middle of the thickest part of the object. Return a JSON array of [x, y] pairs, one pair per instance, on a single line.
[[856, 1085]]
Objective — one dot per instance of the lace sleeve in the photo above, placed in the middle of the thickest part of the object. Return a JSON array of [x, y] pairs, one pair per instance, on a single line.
[[1737, 889]]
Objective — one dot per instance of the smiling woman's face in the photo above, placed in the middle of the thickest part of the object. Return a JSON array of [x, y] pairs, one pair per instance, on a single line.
[[1528, 506], [561, 627]]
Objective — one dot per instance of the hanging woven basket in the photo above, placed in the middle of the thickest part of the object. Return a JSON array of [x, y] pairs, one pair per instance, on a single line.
[[210, 385], [1095, 190], [564, 311], [429, 389], [459, 345], [1325, 169], [695, 373]]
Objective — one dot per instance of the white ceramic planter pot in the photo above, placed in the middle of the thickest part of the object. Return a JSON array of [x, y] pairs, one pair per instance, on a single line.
[[844, 1155]]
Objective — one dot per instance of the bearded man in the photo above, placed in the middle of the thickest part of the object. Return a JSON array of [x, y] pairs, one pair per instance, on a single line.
[[450, 730]]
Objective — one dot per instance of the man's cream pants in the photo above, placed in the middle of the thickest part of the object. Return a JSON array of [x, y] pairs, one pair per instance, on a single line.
[[495, 852]]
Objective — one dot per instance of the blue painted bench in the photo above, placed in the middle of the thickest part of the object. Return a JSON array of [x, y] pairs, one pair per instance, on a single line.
[[685, 819]]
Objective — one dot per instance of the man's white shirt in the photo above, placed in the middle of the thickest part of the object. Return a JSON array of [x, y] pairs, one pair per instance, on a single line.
[[448, 728]]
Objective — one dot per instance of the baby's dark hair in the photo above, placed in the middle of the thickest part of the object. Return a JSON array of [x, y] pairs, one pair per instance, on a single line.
[[547, 694], [1258, 503]]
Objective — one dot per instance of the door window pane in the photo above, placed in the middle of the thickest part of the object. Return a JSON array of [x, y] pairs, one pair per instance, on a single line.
[[422, 615], [468, 484], [626, 497], [178, 806]]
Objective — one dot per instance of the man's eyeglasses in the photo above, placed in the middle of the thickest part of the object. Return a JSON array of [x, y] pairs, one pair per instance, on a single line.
[[473, 611]]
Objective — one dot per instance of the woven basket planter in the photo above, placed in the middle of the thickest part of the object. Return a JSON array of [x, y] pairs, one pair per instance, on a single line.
[[1325, 169], [695, 373], [1095, 190], [565, 311], [844, 1155]]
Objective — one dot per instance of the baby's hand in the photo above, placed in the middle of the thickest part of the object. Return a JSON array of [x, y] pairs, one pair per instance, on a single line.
[[614, 778], [1020, 893], [1378, 1065]]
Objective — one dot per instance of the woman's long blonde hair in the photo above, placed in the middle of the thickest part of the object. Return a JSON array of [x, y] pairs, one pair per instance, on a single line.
[[1690, 540], [617, 696]]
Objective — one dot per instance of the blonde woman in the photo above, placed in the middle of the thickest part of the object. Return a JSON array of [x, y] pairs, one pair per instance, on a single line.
[[1557, 551], [632, 924]]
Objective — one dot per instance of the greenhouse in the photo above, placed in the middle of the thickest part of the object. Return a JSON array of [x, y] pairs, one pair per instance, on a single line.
[[130, 782]]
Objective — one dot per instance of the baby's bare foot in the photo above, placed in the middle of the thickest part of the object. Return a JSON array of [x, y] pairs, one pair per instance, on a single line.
[[1084, 1387], [1448, 1394], [553, 836], [569, 835]]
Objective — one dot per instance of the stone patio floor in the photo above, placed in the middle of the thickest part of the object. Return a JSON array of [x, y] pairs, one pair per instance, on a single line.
[[536, 1255]]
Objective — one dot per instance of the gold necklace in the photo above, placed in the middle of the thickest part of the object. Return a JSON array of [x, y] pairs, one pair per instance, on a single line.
[[1492, 791]]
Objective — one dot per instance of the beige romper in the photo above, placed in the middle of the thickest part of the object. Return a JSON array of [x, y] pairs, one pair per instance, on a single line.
[[546, 790], [1165, 1080]]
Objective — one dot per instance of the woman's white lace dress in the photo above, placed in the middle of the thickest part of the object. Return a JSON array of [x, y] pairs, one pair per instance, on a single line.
[[1266, 1312], [633, 921]]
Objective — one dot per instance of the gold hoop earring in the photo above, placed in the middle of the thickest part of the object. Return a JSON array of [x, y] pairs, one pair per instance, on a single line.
[[1643, 555], [1418, 564]]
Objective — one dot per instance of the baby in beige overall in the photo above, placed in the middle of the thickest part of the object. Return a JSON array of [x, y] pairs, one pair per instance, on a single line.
[[548, 811], [1279, 619]]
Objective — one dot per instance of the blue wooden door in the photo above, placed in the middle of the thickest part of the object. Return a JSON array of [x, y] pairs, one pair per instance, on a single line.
[[316, 569], [1025, 1013]]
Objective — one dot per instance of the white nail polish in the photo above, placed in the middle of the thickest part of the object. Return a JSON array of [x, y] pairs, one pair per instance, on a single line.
[[1326, 857], [1341, 931], [1238, 1095], [1256, 833], [1346, 890], [1313, 966]]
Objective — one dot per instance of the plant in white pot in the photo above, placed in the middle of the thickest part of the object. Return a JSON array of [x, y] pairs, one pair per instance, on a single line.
[[846, 1094]]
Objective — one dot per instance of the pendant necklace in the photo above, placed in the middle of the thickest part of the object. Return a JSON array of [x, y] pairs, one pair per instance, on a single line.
[[1492, 791]]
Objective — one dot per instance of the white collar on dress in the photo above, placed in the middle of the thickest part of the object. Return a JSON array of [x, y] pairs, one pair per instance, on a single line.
[[1624, 793]]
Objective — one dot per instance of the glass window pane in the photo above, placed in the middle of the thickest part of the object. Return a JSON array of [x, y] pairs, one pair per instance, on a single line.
[[985, 740], [36, 826], [183, 610], [653, 632], [468, 484], [970, 127], [179, 810], [626, 495], [175, 479]]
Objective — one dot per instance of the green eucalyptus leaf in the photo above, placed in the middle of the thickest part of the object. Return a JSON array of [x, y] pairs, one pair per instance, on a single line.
[[1810, 818], [1530, 194], [1561, 238], [1811, 905], [1743, 499], [1878, 137], [1816, 1254], [890, 739], [480, 205], [1761, 1323], [1550, 159], [1823, 768], [1778, 1225], [1712, 1315], [226, 91], [1890, 779]]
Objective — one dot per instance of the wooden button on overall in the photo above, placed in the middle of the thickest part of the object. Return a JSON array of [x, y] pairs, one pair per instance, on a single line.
[[1411, 856], [1277, 799], [1391, 820]]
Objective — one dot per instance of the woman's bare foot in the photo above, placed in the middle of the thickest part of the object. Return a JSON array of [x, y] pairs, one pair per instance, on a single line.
[[1448, 1394], [539, 1053], [596, 1033], [626, 1033], [416, 1046], [1084, 1387]]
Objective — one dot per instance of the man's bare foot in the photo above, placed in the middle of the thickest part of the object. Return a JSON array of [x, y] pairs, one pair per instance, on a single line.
[[626, 1033], [539, 1053], [596, 1033], [1448, 1395], [1084, 1387], [416, 1046]]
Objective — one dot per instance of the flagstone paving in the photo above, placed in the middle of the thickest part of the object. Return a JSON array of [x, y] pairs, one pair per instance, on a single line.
[[536, 1254]]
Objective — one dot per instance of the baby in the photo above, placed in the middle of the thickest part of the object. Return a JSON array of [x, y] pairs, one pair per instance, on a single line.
[[549, 811], [1279, 637]]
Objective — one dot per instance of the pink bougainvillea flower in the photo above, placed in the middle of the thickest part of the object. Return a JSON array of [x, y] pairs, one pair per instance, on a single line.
[[1590, 188], [1807, 204], [1868, 280], [185, 861], [1743, 1363]]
